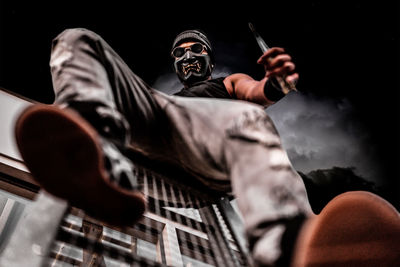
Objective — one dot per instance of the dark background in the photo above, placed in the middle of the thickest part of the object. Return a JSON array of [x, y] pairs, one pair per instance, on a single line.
[[341, 50]]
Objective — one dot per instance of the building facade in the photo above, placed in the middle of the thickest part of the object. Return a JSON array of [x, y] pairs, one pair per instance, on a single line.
[[185, 224]]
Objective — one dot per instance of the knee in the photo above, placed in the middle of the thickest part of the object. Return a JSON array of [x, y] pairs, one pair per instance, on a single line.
[[253, 116], [252, 112], [70, 42], [253, 124], [74, 36]]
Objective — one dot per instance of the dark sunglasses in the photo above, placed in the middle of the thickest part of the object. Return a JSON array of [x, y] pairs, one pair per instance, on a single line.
[[196, 48]]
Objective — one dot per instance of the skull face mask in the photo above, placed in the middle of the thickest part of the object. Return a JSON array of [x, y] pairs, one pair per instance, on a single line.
[[193, 62], [193, 67]]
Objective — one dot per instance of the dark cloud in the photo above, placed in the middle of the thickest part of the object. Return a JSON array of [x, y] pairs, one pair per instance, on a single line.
[[322, 132], [324, 184]]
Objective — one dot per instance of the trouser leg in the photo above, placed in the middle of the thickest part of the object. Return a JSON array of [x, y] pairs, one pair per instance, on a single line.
[[90, 77], [270, 194], [237, 142]]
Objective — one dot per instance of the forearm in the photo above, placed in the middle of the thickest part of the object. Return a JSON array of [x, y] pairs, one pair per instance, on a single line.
[[253, 91], [243, 87], [264, 92]]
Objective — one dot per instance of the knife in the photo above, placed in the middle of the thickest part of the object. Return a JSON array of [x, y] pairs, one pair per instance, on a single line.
[[286, 87]]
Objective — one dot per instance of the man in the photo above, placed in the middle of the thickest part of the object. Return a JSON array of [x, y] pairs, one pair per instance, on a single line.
[[76, 148], [193, 63]]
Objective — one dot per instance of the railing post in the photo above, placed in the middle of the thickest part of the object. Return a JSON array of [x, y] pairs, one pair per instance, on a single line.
[[235, 226], [30, 243]]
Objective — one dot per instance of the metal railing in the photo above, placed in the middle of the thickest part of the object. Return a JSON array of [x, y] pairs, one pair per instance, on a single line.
[[185, 224]]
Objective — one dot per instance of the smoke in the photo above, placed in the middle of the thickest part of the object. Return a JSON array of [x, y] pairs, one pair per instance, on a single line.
[[168, 83]]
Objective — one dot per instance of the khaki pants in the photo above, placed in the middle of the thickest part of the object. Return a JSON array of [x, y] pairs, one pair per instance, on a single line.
[[226, 144]]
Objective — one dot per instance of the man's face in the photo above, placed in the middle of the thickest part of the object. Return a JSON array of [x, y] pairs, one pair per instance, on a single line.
[[192, 62]]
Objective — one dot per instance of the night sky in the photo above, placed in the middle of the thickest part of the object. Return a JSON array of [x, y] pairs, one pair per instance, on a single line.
[[347, 54]]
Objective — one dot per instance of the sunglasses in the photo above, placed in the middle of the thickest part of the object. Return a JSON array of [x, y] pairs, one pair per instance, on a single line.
[[196, 48]]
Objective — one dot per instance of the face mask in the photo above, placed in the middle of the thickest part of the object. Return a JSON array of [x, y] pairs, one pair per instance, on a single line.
[[191, 65]]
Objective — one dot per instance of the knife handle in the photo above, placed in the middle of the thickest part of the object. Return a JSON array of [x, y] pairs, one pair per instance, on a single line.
[[285, 86]]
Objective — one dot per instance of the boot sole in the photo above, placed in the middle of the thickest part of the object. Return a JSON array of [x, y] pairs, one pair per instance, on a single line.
[[357, 229], [63, 155]]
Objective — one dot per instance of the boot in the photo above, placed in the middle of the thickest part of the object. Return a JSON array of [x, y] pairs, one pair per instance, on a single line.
[[70, 160], [356, 229]]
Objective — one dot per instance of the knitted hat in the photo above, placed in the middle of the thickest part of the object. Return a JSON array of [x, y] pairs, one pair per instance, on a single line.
[[194, 35]]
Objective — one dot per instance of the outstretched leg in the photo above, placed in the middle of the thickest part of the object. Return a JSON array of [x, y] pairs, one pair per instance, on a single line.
[[90, 77], [75, 148], [234, 145], [270, 193]]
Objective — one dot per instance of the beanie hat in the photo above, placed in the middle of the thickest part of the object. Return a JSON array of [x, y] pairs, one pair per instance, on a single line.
[[194, 35]]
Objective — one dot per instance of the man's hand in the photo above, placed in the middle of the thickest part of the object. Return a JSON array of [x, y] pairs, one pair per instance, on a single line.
[[277, 63]]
